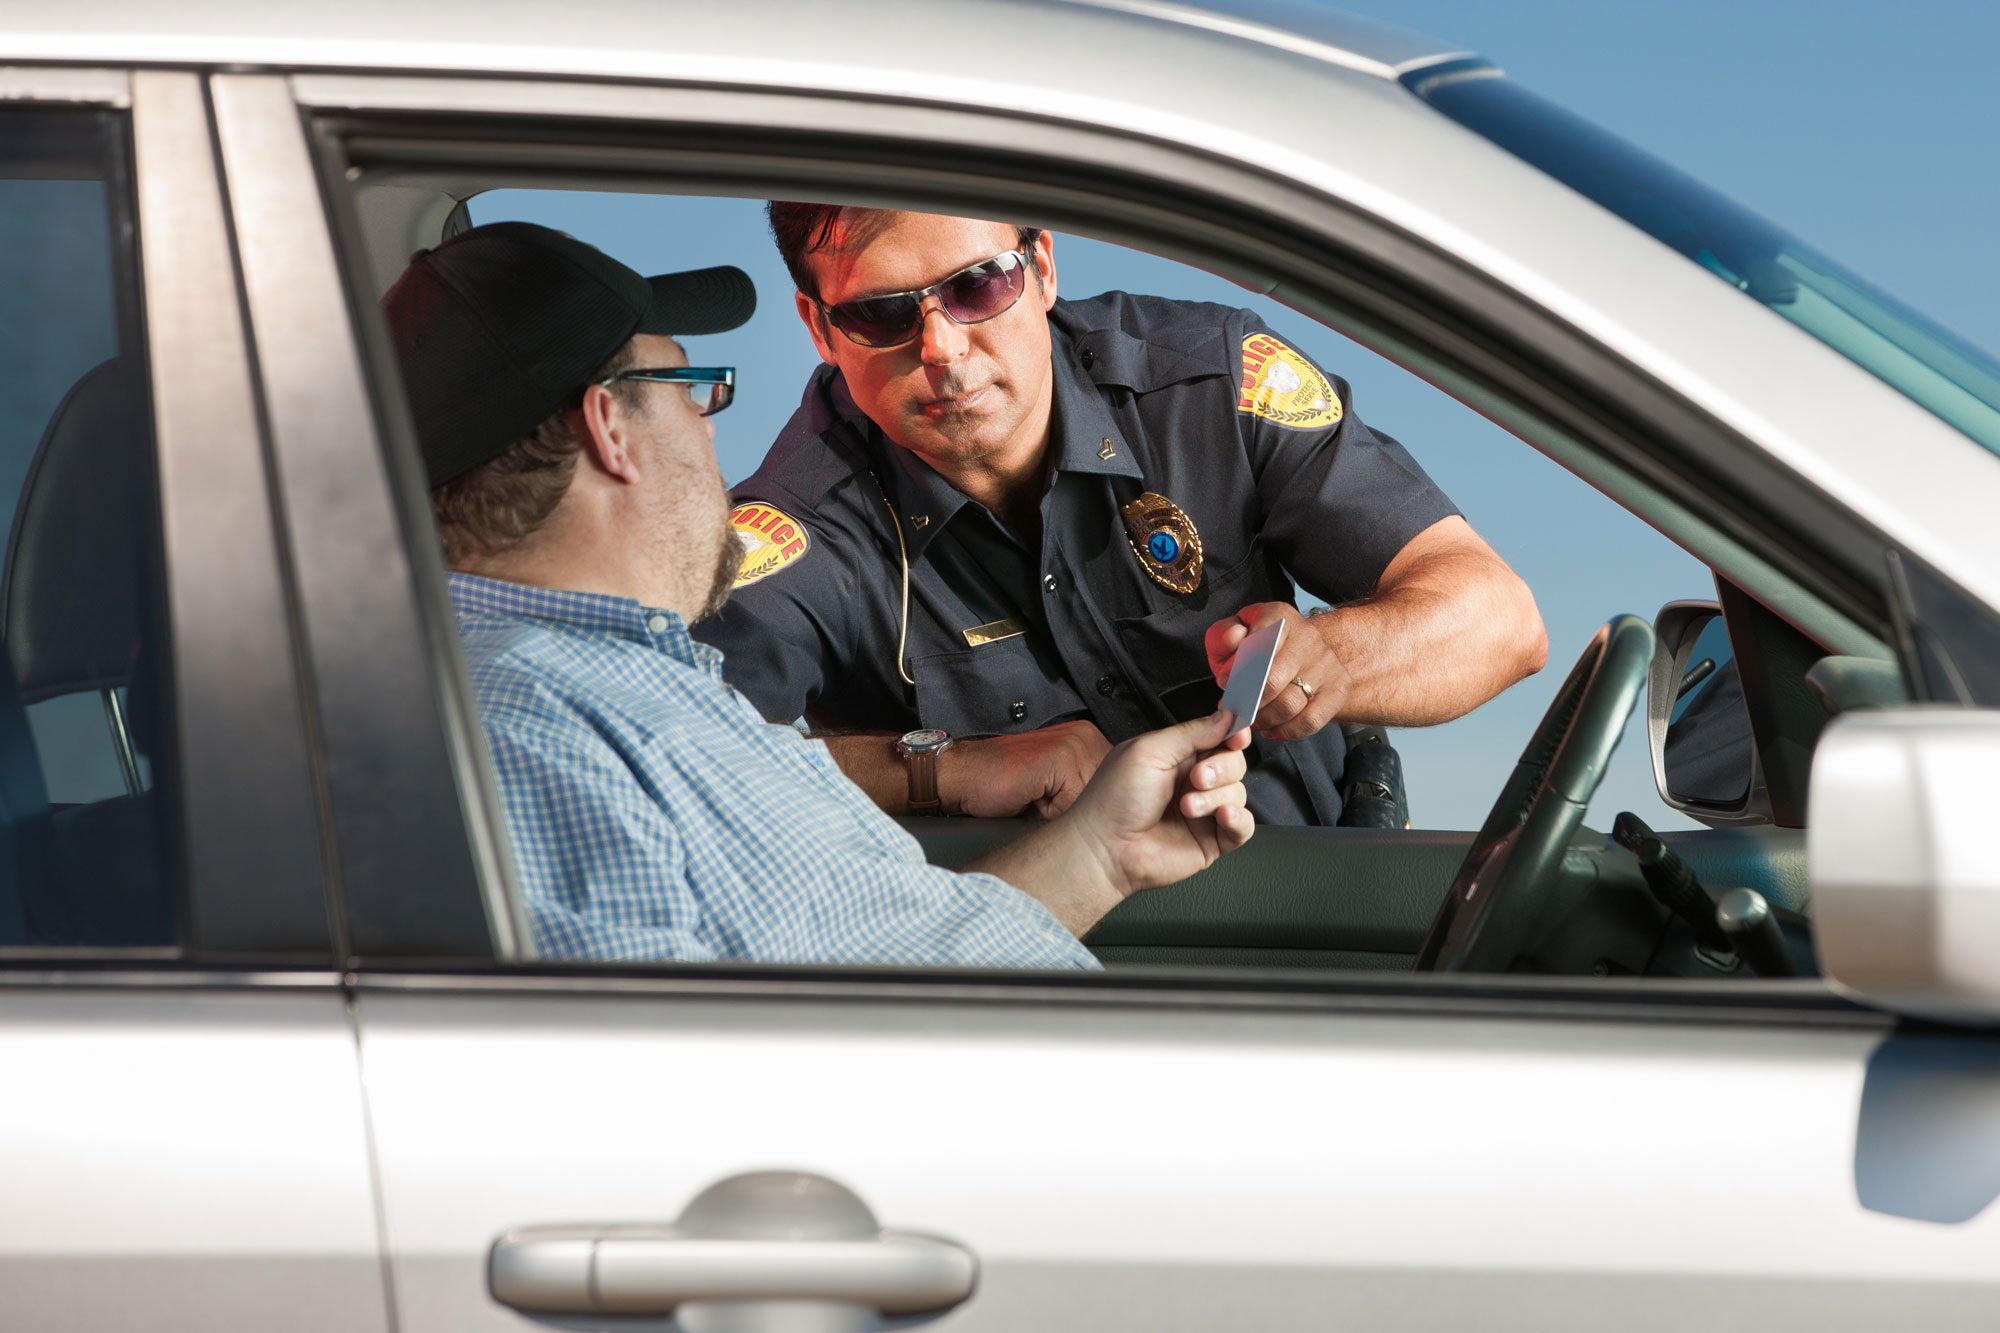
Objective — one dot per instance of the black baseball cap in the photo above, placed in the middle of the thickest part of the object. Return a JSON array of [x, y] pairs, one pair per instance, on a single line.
[[501, 326]]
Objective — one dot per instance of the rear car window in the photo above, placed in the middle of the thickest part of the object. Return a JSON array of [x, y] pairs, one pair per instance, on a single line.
[[85, 859]]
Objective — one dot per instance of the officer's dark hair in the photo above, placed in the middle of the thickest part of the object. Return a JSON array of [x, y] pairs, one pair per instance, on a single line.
[[501, 503], [806, 229]]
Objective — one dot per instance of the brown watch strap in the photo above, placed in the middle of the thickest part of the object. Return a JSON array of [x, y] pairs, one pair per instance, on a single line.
[[922, 765]]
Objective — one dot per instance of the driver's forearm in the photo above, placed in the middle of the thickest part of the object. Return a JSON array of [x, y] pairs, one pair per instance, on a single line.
[[1454, 631], [1058, 866], [1055, 864]]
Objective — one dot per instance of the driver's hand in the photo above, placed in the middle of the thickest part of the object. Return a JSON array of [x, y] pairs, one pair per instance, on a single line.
[[1166, 804], [1288, 712]]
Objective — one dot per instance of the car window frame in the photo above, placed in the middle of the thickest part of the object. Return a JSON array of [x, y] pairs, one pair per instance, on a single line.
[[391, 713], [248, 873], [370, 122]]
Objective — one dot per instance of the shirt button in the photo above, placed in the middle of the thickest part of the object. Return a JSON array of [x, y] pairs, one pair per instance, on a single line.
[[1107, 685], [656, 623], [1089, 358], [1048, 583], [1017, 710]]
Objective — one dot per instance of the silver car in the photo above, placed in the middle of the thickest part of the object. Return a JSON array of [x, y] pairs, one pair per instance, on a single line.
[[278, 1050]]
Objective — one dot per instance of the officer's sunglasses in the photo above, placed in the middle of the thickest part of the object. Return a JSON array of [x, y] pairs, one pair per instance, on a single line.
[[709, 388], [969, 296]]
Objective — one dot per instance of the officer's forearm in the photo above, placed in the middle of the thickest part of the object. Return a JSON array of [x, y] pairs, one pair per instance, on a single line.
[[869, 759], [1453, 631], [1035, 772]]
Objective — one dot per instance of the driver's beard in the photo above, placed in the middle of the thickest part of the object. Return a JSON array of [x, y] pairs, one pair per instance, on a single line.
[[728, 561]]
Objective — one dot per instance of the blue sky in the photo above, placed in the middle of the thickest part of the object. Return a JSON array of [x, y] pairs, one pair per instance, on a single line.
[[1864, 129]]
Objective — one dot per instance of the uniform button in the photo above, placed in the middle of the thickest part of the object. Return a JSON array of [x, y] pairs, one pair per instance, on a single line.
[[656, 623], [1048, 583], [1017, 710], [1089, 358], [1107, 685]]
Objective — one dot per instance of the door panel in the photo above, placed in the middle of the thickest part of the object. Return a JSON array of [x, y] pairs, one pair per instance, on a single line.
[[1159, 1169], [1350, 897], [181, 1159]]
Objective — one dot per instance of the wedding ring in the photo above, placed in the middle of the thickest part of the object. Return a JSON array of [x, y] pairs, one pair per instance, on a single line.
[[1304, 688]]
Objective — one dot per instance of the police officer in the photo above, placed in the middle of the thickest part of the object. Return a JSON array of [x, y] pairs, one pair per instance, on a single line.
[[1003, 531]]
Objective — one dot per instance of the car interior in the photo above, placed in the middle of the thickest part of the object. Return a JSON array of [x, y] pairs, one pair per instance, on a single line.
[[77, 624], [1533, 889]]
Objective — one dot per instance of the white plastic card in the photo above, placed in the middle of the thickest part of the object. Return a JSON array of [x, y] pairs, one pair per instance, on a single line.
[[1248, 672]]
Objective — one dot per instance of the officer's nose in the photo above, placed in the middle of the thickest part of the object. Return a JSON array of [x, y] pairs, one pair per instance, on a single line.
[[943, 339]]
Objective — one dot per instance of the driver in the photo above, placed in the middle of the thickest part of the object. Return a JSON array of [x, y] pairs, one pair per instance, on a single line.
[[1042, 526], [569, 446]]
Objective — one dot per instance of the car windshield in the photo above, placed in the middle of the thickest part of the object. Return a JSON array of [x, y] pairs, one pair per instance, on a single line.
[[1941, 372]]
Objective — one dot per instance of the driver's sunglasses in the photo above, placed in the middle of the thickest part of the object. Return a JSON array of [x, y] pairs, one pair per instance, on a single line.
[[969, 296], [710, 388]]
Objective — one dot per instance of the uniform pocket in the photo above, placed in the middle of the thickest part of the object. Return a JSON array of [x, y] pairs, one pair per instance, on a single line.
[[992, 690], [1167, 646]]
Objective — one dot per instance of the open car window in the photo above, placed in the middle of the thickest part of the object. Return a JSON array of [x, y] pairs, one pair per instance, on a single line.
[[1584, 557]]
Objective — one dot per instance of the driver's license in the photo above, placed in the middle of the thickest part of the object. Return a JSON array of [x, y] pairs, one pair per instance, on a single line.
[[1248, 671]]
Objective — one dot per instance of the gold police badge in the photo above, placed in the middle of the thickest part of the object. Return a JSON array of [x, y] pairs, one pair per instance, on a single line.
[[1164, 542]]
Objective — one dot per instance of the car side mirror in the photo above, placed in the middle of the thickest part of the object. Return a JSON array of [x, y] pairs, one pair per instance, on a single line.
[[1904, 871], [1704, 756]]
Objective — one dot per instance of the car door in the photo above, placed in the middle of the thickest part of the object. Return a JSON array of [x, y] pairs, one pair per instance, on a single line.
[[1133, 1157], [1156, 1150], [181, 1140]]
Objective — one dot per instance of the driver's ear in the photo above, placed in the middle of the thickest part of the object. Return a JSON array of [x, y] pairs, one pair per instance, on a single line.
[[1044, 255], [607, 434]]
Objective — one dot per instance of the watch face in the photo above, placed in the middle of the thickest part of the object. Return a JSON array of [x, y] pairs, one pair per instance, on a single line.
[[929, 738]]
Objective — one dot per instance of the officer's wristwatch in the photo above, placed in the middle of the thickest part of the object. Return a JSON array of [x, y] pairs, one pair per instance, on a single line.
[[919, 751]]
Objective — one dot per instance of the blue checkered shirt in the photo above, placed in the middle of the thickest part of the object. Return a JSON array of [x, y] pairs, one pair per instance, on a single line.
[[655, 815]]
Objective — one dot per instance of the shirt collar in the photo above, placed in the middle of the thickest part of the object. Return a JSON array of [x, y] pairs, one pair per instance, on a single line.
[[1083, 437], [584, 612]]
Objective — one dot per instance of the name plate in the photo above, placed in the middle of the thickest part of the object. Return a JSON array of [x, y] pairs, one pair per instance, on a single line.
[[995, 630]]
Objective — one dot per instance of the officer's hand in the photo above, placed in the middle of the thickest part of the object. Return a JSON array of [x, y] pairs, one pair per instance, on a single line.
[[1288, 711], [1002, 776], [1166, 804]]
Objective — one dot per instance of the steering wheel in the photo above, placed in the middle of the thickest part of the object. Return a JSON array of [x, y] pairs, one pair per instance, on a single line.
[[1505, 886]]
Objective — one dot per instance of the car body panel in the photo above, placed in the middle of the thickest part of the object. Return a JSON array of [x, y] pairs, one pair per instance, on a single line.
[[1144, 1167], [177, 1157]]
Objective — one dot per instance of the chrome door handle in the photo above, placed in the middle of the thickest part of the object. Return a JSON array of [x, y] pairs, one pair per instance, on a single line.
[[654, 1271], [785, 1237]]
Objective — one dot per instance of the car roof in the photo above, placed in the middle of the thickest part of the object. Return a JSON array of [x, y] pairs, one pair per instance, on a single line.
[[635, 37]]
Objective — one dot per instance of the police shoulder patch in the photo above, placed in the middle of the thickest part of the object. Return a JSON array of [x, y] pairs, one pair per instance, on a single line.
[[771, 539], [1283, 387]]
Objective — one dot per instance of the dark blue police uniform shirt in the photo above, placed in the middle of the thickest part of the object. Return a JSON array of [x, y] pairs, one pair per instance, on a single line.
[[1149, 395]]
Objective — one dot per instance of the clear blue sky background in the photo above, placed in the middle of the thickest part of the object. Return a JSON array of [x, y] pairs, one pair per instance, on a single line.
[[1867, 129]]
